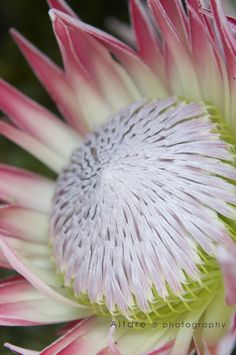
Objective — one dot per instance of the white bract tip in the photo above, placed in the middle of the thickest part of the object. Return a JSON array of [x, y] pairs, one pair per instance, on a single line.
[[52, 15]]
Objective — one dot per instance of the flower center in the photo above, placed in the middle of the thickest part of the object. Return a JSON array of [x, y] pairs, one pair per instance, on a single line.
[[141, 206]]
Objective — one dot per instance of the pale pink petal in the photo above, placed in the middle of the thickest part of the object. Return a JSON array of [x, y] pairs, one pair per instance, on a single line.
[[111, 80], [96, 77], [219, 28], [202, 37], [21, 351], [36, 258], [55, 82], [107, 351], [68, 326], [61, 5], [79, 78], [229, 46], [44, 280], [24, 224], [176, 14], [227, 260], [180, 70], [145, 80], [226, 34], [163, 350], [225, 345], [26, 189], [217, 312], [37, 121], [208, 60], [53, 160], [147, 41], [78, 337], [39, 255], [91, 336], [21, 304], [93, 61]]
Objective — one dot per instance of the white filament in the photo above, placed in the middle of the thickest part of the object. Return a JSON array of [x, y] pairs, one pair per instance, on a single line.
[[136, 201]]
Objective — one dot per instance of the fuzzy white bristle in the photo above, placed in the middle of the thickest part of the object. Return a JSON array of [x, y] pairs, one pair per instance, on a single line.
[[136, 201]]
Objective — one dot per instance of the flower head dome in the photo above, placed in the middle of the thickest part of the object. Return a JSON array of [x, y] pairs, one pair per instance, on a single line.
[[138, 229]]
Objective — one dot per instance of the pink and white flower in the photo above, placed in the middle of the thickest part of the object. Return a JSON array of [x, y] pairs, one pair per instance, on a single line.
[[134, 243]]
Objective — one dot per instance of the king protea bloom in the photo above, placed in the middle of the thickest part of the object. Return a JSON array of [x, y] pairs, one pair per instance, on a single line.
[[134, 241]]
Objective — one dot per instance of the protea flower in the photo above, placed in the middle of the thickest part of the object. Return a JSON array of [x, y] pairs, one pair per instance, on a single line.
[[134, 241]]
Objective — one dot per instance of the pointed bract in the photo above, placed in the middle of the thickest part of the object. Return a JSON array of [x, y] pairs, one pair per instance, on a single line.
[[227, 260], [148, 43], [145, 81], [53, 160], [44, 280], [61, 5], [37, 121], [24, 224], [55, 82], [26, 189], [21, 304]]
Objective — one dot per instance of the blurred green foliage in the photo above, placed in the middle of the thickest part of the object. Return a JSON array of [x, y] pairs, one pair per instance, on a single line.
[[31, 19]]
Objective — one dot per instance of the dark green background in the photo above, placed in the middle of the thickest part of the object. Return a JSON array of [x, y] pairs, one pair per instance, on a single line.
[[31, 18]]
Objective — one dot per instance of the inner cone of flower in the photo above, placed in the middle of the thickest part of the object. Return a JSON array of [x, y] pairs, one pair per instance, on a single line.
[[140, 207]]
